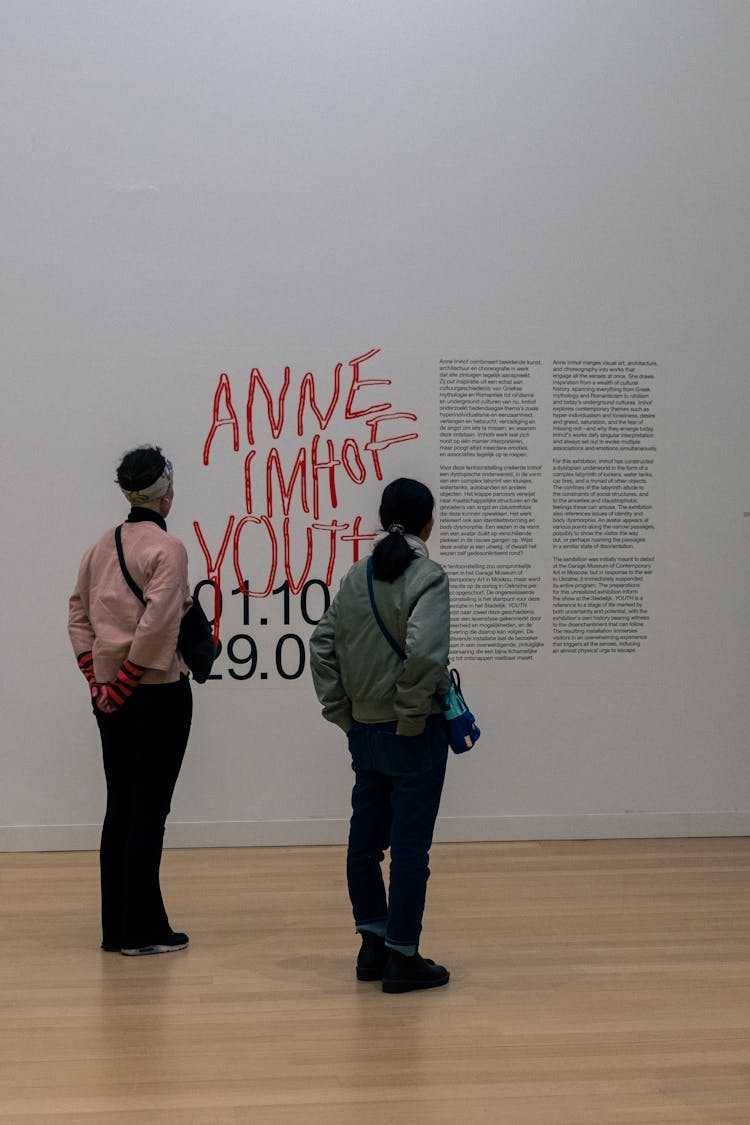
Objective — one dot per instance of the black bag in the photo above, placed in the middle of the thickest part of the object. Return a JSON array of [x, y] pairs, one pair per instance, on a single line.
[[196, 638], [196, 641]]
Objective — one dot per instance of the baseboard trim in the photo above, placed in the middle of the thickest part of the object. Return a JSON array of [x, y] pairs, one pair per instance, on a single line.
[[278, 833]]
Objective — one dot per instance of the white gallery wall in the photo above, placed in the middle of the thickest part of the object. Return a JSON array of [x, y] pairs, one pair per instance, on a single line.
[[502, 237]]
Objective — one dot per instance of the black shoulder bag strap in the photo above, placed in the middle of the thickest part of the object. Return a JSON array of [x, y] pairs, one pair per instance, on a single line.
[[125, 572], [393, 643]]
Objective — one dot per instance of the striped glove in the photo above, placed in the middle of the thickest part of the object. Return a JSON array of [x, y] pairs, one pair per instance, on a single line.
[[119, 690], [86, 664]]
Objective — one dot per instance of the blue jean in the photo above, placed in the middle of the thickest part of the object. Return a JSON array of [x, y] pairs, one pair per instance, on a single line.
[[395, 801]]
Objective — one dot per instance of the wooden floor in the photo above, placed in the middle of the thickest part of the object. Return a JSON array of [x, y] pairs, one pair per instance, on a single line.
[[596, 983]]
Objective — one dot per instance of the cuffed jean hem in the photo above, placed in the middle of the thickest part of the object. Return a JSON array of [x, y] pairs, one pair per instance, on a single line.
[[406, 950], [377, 928]]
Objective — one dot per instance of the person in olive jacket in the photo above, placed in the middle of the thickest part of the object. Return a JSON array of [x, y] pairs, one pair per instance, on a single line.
[[388, 699]]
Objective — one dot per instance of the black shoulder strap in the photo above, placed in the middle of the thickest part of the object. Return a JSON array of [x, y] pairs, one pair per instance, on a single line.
[[125, 572], [393, 643]]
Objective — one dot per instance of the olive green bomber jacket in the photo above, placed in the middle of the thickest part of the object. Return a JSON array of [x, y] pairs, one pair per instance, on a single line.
[[356, 673]]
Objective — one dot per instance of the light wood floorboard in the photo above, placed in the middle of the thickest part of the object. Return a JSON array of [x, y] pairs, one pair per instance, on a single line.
[[593, 983]]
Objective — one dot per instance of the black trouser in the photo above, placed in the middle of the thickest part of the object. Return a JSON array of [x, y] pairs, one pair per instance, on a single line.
[[143, 745]]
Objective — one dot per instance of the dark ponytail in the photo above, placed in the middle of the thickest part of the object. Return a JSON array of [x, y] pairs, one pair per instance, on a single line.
[[406, 507]]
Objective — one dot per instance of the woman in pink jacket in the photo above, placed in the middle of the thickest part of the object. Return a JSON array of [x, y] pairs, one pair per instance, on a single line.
[[141, 697]]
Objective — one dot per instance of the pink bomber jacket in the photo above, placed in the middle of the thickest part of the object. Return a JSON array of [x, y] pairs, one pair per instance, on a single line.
[[106, 617]]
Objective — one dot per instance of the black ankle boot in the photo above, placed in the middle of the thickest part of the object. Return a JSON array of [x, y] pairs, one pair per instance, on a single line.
[[371, 957], [405, 974]]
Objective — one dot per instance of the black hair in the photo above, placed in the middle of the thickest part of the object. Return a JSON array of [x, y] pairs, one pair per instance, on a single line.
[[140, 467], [408, 504]]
